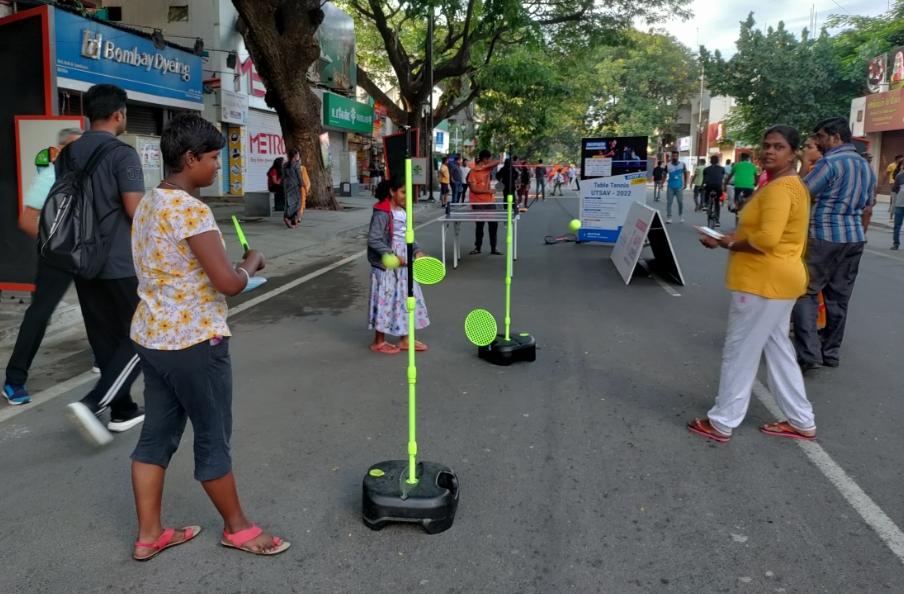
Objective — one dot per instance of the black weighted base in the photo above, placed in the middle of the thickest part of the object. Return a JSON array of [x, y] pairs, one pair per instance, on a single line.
[[389, 498], [521, 347]]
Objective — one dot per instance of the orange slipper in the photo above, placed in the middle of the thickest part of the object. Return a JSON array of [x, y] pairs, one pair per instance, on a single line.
[[418, 346], [384, 347]]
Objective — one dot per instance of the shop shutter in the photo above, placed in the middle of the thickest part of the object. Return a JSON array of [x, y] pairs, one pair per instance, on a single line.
[[892, 144], [142, 120], [263, 144], [337, 145]]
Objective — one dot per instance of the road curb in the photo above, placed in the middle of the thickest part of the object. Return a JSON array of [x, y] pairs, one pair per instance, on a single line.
[[62, 319]]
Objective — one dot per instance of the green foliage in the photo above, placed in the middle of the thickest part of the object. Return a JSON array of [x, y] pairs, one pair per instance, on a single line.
[[777, 78], [546, 101], [472, 35], [532, 101], [864, 38], [642, 84]]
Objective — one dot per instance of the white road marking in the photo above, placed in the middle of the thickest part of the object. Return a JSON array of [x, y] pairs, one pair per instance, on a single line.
[[871, 513], [292, 284], [889, 256], [665, 286], [52, 392]]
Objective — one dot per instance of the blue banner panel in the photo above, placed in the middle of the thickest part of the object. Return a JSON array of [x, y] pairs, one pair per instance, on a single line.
[[95, 53]]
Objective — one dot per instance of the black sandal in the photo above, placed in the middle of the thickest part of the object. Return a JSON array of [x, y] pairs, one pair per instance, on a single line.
[[497, 253], [473, 252]]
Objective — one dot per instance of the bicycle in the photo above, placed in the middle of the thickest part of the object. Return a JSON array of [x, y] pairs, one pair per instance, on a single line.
[[712, 215], [742, 195]]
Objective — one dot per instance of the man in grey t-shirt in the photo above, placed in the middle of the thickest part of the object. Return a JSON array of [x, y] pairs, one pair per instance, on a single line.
[[109, 301]]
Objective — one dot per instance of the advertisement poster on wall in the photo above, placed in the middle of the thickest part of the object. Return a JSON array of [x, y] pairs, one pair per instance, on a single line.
[[326, 154], [614, 176], [236, 167], [233, 107], [895, 65], [876, 74], [337, 49]]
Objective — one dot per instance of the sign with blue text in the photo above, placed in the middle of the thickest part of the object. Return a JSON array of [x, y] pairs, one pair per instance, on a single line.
[[605, 202], [91, 53], [613, 177]]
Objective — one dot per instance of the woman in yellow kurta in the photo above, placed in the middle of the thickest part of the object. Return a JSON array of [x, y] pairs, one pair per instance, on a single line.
[[304, 190], [766, 275]]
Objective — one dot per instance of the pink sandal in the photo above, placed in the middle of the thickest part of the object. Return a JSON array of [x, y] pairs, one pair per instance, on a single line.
[[697, 426], [238, 540], [784, 429], [165, 541]]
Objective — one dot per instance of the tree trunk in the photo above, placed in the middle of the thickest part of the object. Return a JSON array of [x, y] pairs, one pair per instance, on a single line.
[[280, 37]]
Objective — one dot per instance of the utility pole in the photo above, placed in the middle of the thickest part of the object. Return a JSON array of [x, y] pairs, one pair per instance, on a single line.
[[429, 55], [700, 118]]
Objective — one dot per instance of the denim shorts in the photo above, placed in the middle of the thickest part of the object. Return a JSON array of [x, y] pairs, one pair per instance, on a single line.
[[189, 384]]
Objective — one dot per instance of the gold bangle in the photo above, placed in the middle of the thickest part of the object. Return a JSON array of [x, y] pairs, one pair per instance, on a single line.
[[730, 244]]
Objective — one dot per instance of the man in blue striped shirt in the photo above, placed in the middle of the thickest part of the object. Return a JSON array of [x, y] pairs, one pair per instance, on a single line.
[[842, 185]]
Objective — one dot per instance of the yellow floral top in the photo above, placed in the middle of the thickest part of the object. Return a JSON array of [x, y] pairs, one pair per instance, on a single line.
[[179, 305]]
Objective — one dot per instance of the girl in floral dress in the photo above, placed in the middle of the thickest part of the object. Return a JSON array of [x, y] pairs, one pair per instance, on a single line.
[[387, 311]]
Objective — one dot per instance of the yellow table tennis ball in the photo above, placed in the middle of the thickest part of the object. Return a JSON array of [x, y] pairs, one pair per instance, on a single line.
[[391, 261]]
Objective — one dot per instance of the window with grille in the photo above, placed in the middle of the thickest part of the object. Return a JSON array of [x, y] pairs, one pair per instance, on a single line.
[[176, 14]]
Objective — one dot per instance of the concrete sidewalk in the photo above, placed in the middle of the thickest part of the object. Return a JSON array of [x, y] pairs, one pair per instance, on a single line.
[[269, 235]]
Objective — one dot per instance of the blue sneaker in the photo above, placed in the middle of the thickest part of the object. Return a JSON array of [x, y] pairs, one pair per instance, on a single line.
[[16, 395]]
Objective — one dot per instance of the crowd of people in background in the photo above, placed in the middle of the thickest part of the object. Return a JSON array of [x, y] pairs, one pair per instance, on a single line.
[[454, 181]]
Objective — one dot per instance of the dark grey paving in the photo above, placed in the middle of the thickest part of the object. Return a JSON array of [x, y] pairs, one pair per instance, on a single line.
[[577, 473]]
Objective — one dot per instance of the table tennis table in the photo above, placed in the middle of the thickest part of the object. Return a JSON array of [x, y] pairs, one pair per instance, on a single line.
[[456, 214]]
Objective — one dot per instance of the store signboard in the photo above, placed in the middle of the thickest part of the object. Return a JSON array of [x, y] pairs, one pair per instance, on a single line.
[[89, 53], [339, 112], [233, 107], [884, 111], [684, 143]]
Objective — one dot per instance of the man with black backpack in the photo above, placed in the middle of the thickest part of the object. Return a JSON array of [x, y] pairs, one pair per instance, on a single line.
[[100, 179]]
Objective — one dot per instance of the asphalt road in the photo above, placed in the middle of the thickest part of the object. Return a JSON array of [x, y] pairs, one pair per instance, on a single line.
[[577, 473]]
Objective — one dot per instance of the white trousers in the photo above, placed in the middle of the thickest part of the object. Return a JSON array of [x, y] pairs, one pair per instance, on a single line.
[[757, 326]]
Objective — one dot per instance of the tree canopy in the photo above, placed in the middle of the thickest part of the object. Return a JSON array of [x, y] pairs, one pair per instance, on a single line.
[[777, 78], [642, 84], [864, 38], [470, 37]]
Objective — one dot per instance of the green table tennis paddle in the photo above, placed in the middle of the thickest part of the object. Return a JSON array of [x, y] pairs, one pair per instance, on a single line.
[[428, 271], [480, 327], [238, 230]]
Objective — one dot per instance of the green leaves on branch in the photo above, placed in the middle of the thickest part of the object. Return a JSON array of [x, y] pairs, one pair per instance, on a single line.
[[779, 78], [641, 86], [473, 35], [864, 38]]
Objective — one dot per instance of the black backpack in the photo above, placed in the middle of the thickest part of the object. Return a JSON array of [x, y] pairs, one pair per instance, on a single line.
[[69, 236]]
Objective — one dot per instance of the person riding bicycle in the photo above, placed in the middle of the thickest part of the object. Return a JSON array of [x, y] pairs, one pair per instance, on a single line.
[[744, 175], [712, 180]]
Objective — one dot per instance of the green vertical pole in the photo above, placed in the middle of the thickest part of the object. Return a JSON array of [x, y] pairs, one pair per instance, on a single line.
[[412, 370], [508, 249]]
